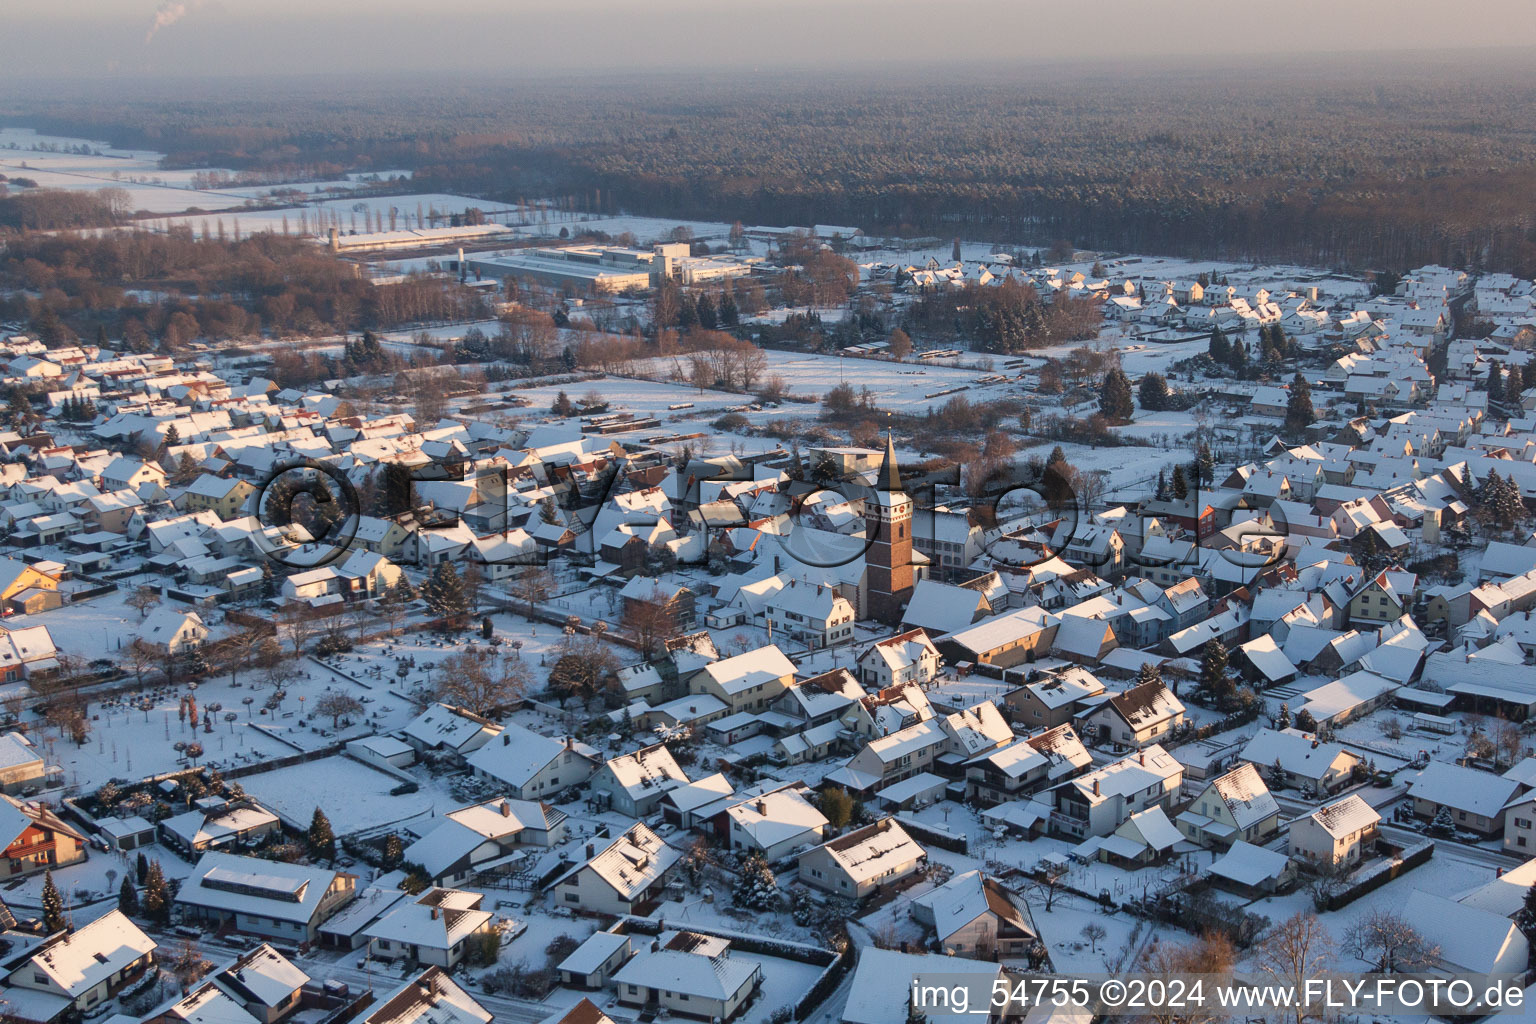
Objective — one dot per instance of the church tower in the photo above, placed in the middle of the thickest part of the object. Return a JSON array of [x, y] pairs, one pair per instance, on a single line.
[[888, 561]]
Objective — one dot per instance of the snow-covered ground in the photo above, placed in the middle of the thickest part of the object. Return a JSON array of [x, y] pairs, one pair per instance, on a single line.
[[138, 172]]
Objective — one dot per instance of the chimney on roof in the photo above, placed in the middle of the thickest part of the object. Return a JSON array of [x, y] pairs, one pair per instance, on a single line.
[[506, 809], [1314, 744], [506, 739], [1142, 757], [434, 913], [570, 744], [762, 807], [1498, 872], [1095, 787], [591, 850]]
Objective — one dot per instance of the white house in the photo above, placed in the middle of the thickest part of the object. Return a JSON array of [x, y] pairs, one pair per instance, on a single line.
[[264, 897], [909, 657], [1334, 836], [533, 766], [622, 878], [775, 824], [633, 784], [1141, 716], [80, 969], [440, 927], [856, 864], [1232, 807]]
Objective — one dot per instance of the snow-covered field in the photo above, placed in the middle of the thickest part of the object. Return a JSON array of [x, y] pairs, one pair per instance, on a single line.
[[136, 171], [352, 794], [905, 386]]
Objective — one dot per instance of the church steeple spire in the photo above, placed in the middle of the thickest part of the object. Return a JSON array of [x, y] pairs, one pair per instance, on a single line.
[[890, 474]]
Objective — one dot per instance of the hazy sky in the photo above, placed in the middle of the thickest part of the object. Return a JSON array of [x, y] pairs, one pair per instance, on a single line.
[[65, 38]]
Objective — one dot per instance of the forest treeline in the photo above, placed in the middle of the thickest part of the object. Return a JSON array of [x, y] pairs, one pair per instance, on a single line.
[[154, 289], [1370, 163]]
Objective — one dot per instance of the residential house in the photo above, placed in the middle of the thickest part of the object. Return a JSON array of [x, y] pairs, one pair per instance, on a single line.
[[1097, 803], [880, 992], [1302, 761], [263, 982], [1335, 836], [533, 766], [281, 901], [909, 657], [747, 682], [633, 784], [1056, 699], [1025, 766], [228, 824], [36, 839], [171, 631], [775, 824], [439, 927], [486, 837], [1232, 807], [625, 877], [814, 615], [449, 731], [21, 764], [224, 496], [690, 975], [1143, 715], [432, 997], [1476, 800], [975, 916], [856, 864], [79, 969]]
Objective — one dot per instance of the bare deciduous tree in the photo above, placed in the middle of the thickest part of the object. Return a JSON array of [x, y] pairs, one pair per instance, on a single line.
[[1297, 949], [481, 682], [337, 705], [1389, 943], [533, 586], [143, 600]]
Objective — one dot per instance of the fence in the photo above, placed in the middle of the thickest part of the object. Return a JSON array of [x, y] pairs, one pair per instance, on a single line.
[[1375, 876], [942, 838]]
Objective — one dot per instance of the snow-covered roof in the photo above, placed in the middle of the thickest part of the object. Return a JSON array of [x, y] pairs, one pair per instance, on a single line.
[[518, 754], [262, 976], [1345, 817], [646, 769], [437, 919], [446, 726], [635, 860], [1463, 789], [1469, 938], [1249, 865], [429, 998], [1298, 753], [871, 851], [754, 668], [593, 952], [1247, 798], [247, 885], [777, 817], [697, 975], [882, 983], [85, 958]]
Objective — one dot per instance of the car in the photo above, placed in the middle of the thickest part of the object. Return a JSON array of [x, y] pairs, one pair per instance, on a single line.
[[666, 829]]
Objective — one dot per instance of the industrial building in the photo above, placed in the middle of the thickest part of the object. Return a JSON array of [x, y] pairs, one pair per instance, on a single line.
[[605, 269]]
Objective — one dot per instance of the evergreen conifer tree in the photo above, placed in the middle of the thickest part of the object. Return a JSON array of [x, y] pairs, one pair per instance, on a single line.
[[53, 906], [322, 840], [128, 898], [156, 900]]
